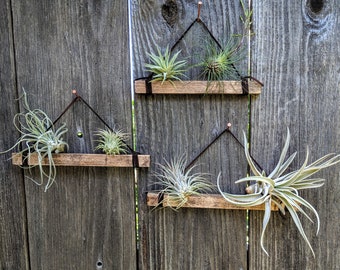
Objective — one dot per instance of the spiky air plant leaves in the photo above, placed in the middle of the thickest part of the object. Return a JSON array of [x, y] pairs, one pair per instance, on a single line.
[[219, 63], [165, 67], [178, 184], [111, 142], [38, 135], [246, 18], [282, 189]]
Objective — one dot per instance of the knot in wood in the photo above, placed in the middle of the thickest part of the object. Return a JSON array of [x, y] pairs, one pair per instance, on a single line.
[[170, 12], [316, 5]]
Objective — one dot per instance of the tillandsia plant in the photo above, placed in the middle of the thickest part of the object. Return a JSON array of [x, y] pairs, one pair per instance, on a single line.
[[178, 183], [282, 189], [246, 19], [165, 67], [38, 135], [219, 63], [111, 142]]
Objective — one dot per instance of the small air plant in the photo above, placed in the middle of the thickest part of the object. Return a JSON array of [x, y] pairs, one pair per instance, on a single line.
[[246, 19], [282, 189], [179, 183], [164, 67], [39, 135], [219, 63], [111, 142]]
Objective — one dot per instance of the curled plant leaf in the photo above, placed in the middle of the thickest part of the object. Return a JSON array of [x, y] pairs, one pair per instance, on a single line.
[[38, 135], [282, 189], [111, 142], [178, 184], [164, 67]]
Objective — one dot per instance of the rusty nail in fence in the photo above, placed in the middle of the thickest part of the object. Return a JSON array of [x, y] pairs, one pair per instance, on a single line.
[[199, 10]]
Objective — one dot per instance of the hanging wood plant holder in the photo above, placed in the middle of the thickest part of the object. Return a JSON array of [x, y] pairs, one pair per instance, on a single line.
[[247, 86], [132, 159], [203, 201], [214, 85], [85, 160]]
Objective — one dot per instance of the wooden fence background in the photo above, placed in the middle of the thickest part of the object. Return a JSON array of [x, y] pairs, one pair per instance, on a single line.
[[87, 220]]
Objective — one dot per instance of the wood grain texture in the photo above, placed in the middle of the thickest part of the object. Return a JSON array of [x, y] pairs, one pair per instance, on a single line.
[[87, 219], [171, 125], [13, 224], [198, 87], [84, 160], [296, 54], [209, 201]]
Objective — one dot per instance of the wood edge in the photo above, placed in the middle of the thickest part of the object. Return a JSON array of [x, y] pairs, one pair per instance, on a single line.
[[17, 159], [85, 160], [207, 201], [197, 87]]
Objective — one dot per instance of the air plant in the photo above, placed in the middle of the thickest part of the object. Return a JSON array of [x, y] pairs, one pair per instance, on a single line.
[[282, 189], [38, 135], [246, 19], [111, 142], [219, 63], [164, 67], [179, 183]]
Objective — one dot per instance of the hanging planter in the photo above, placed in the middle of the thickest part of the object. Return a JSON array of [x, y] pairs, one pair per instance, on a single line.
[[204, 201], [44, 146], [219, 72], [248, 86], [276, 191], [83, 160], [183, 189]]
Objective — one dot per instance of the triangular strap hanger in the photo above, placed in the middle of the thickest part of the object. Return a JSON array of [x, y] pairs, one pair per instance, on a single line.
[[192, 162], [197, 20], [226, 130], [79, 98]]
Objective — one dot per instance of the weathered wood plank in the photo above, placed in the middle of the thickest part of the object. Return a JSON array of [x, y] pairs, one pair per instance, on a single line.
[[198, 87], [296, 54], [86, 219], [208, 201], [171, 125], [84, 160], [13, 223]]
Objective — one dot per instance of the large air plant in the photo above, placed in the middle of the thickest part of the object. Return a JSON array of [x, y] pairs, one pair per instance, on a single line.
[[282, 189], [178, 183], [39, 135]]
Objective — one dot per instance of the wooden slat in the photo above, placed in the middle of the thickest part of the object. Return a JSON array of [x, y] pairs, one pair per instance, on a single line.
[[85, 220], [17, 159], [208, 201], [171, 125], [85, 160], [198, 87], [13, 222], [298, 61]]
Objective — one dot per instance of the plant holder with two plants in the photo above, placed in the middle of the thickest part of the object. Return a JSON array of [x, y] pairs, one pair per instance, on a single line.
[[276, 191], [43, 146], [218, 66], [181, 188]]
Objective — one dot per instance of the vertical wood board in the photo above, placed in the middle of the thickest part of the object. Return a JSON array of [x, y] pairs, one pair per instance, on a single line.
[[86, 220], [13, 225], [296, 55], [168, 126]]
